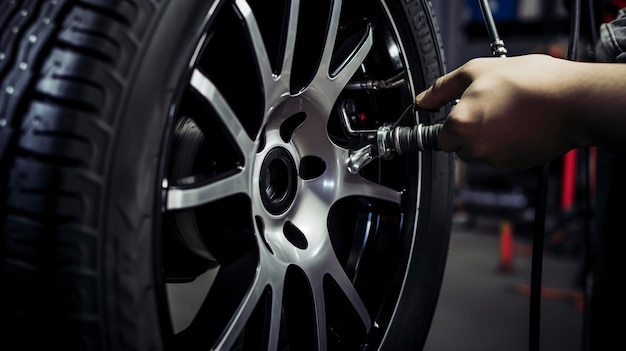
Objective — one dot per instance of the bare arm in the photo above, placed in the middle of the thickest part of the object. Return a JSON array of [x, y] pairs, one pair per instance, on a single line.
[[522, 111]]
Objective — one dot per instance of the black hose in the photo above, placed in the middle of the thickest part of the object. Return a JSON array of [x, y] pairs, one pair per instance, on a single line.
[[540, 210], [537, 258], [572, 47]]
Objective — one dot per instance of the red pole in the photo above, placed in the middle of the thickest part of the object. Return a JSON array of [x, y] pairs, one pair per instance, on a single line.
[[568, 180], [506, 247]]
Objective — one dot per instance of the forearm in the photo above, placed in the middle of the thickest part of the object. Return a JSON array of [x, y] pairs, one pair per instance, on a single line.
[[522, 111], [598, 103]]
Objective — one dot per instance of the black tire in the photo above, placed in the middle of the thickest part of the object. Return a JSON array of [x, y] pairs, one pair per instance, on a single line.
[[168, 181]]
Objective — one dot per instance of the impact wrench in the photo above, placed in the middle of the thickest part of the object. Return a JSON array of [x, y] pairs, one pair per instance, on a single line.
[[388, 140]]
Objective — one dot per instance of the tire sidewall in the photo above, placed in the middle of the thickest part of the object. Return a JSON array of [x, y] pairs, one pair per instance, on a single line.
[[417, 303], [133, 286]]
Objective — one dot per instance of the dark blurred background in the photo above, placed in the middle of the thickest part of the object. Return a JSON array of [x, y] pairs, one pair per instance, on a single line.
[[484, 303]]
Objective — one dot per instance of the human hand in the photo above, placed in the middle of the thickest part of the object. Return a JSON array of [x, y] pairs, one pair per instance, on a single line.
[[512, 112]]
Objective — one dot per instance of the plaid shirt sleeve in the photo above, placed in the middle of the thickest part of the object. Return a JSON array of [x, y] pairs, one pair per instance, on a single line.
[[611, 45]]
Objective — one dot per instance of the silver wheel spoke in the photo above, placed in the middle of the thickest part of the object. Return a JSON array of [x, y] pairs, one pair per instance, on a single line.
[[181, 198], [331, 37], [268, 274], [290, 42], [331, 87], [356, 59], [328, 193], [320, 313], [212, 95], [345, 285], [272, 86], [275, 318], [260, 52], [242, 315], [354, 185]]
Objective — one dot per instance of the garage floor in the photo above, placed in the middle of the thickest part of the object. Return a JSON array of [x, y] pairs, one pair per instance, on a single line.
[[483, 308]]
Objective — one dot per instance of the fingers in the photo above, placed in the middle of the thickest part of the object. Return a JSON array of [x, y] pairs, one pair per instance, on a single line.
[[446, 140], [445, 89], [461, 125], [453, 134]]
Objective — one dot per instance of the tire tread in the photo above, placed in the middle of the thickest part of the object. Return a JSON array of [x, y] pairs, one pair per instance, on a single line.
[[62, 76]]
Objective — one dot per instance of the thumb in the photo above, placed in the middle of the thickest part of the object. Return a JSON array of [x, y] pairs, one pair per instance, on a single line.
[[446, 140]]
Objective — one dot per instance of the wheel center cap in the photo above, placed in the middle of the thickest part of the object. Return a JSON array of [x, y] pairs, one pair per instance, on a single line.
[[277, 180]]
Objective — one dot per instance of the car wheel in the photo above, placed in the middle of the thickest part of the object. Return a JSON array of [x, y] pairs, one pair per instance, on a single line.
[[174, 175]]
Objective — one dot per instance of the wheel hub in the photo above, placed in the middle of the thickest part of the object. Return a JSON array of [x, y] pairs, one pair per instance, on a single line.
[[277, 180]]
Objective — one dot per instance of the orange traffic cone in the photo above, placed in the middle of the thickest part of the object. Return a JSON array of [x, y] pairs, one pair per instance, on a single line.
[[506, 247]]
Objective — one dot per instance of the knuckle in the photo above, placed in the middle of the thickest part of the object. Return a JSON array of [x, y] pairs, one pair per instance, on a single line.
[[437, 84], [473, 67]]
